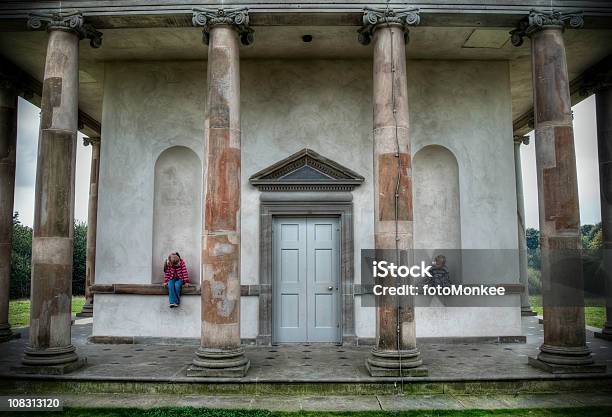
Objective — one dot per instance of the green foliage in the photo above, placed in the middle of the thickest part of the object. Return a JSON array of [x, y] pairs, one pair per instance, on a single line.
[[534, 281], [596, 242], [533, 248], [533, 238], [79, 257], [591, 236], [21, 259]]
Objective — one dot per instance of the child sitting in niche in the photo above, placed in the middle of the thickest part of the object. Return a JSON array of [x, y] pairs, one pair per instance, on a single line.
[[175, 276]]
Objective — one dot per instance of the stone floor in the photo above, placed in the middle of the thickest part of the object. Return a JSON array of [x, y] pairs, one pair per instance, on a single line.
[[306, 362]]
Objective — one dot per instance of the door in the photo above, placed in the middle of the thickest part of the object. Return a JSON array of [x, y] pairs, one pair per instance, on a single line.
[[306, 261]]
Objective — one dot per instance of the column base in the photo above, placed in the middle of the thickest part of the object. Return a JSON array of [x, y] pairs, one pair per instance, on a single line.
[[87, 310], [51, 361], [528, 312], [566, 369], [62, 369], [394, 363], [566, 360], [7, 334], [218, 363]]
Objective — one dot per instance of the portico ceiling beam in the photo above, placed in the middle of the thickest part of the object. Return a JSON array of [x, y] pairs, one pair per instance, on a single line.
[[146, 14], [31, 89]]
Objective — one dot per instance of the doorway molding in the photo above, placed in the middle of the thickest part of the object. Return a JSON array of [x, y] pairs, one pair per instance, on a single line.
[[301, 185], [303, 205]]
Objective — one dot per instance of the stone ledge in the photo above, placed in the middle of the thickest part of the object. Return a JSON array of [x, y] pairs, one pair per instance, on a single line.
[[158, 289], [246, 290]]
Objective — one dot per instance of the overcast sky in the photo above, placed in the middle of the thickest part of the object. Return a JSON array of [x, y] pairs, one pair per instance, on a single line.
[[586, 158]]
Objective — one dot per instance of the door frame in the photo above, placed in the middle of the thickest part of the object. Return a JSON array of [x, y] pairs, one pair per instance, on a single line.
[[306, 204]]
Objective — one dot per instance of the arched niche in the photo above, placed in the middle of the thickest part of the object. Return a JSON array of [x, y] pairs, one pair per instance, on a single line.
[[177, 210], [437, 217]]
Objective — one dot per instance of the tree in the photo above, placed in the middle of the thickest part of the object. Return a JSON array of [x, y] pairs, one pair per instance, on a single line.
[[79, 256], [533, 248], [21, 259], [533, 238]]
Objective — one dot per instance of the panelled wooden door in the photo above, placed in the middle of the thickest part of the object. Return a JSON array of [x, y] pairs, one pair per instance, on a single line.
[[306, 262]]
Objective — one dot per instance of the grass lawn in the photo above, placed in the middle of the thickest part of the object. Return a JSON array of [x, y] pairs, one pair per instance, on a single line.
[[204, 412], [19, 310], [594, 316]]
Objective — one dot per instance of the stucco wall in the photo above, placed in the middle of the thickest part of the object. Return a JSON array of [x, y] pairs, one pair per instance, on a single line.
[[286, 106], [148, 107]]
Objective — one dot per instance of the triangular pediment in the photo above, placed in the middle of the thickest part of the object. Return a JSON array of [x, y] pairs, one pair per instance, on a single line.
[[306, 170]]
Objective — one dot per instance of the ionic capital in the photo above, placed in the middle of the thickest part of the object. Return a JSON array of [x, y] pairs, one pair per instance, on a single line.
[[595, 84], [236, 18], [372, 18], [93, 141], [68, 22], [521, 140], [538, 20]]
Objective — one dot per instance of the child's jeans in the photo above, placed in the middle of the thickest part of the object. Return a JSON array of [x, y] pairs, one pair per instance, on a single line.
[[174, 290]]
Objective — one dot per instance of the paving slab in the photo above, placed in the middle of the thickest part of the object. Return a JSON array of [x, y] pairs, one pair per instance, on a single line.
[[341, 403], [419, 402], [277, 403]]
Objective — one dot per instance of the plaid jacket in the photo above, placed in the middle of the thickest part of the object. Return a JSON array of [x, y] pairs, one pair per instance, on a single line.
[[180, 271]]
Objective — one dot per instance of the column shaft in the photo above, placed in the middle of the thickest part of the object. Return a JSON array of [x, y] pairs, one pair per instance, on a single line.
[[603, 99], [8, 143], [522, 238], [52, 242], [220, 353], [395, 352], [564, 348], [92, 222]]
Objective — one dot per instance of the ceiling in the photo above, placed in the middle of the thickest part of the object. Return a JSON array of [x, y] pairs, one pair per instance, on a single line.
[[584, 48]]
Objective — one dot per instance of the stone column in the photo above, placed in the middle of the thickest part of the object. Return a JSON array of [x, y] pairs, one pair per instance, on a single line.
[[564, 348], [603, 98], [396, 352], [92, 222], [50, 349], [8, 143], [522, 238], [220, 353]]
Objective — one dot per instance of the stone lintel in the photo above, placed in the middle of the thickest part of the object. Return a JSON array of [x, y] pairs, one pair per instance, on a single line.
[[566, 369]]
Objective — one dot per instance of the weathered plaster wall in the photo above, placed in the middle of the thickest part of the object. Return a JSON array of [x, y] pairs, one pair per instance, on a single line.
[[286, 106], [148, 107], [465, 106], [289, 105]]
